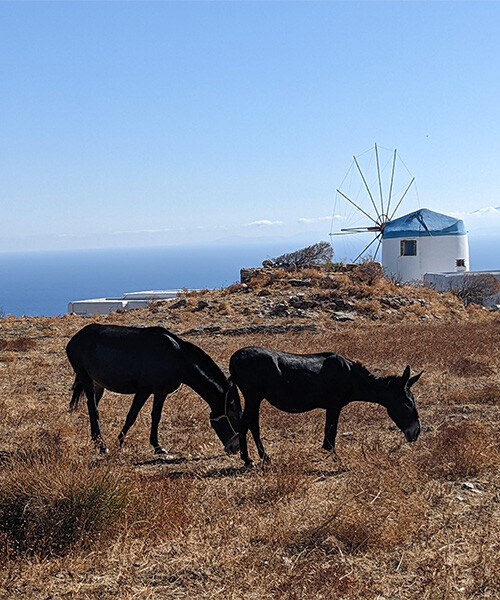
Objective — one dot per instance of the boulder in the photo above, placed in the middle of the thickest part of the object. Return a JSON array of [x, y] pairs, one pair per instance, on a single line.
[[179, 304], [343, 316]]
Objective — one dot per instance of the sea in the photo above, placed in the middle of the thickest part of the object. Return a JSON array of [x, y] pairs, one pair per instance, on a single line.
[[43, 283]]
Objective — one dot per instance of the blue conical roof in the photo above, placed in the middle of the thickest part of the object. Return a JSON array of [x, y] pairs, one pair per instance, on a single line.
[[423, 222]]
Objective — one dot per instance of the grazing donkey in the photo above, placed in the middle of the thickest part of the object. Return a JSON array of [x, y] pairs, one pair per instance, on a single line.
[[145, 361], [298, 383]]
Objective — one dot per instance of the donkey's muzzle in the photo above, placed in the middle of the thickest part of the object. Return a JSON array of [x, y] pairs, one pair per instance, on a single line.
[[412, 433], [233, 445]]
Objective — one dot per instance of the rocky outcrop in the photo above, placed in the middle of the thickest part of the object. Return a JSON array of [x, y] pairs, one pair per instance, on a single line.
[[252, 329]]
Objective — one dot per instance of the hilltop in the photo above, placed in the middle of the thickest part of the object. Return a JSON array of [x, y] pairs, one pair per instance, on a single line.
[[312, 298], [279, 300]]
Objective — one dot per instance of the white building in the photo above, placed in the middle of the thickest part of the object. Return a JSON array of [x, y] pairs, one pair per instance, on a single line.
[[424, 242], [129, 301]]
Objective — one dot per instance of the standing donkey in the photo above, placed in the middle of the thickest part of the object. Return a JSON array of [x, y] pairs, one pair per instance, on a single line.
[[145, 361], [298, 383]]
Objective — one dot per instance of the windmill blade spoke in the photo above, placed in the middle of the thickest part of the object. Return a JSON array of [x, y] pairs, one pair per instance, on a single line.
[[366, 186], [401, 199], [392, 181], [378, 246], [354, 232], [379, 182], [363, 251], [358, 207], [361, 229]]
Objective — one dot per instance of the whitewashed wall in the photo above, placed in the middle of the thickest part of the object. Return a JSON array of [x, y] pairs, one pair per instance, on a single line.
[[445, 282], [436, 254]]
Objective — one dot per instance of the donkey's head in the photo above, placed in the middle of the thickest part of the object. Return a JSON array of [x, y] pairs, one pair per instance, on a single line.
[[227, 424], [402, 407]]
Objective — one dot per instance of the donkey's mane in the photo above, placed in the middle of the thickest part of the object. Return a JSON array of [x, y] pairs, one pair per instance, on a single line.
[[201, 354], [379, 380]]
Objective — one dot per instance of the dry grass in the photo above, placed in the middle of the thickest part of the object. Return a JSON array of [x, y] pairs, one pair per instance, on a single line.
[[49, 506], [462, 450], [385, 520], [18, 344]]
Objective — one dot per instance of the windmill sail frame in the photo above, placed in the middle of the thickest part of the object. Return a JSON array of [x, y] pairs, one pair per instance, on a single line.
[[378, 213]]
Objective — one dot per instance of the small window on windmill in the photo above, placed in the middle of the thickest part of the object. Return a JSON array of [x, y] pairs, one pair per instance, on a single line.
[[460, 262], [408, 247]]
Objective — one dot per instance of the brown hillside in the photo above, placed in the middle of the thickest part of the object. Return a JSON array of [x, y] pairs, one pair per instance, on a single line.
[[387, 520]]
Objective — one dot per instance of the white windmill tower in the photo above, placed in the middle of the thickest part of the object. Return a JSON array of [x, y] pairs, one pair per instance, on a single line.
[[419, 242]]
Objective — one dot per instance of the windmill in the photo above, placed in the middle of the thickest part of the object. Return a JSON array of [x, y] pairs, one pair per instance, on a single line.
[[370, 196]]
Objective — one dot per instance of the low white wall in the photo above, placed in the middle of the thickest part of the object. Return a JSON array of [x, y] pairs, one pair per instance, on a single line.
[[435, 254], [96, 306], [151, 294], [448, 282]]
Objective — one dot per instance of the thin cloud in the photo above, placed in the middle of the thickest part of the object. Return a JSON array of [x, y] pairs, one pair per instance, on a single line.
[[140, 231], [309, 220], [478, 214], [488, 210], [264, 223]]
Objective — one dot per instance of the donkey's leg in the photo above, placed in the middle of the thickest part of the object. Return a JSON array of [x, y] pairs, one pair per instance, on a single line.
[[158, 401], [98, 392], [255, 431], [137, 403], [95, 427], [243, 432], [250, 420], [332, 420]]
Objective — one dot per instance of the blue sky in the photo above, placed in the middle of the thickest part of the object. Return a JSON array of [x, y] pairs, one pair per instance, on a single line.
[[160, 123]]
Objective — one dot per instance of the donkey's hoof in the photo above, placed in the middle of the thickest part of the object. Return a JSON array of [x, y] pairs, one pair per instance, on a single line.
[[160, 450], [103, 449], [249, 464]]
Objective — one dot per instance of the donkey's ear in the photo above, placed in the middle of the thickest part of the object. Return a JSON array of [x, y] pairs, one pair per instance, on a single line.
[[406, 375], [414, 379]]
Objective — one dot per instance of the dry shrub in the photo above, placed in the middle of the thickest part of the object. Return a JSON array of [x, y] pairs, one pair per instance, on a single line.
[[224, 308], [468, 367], [489, 394], [20, 344], [369, 271], [314, 273], [50, 504], [8, 357], [383, 505], [235, 288], [335, 281], [260, 280], [320, 253], [478, 288], [461, 450], [368, 306]]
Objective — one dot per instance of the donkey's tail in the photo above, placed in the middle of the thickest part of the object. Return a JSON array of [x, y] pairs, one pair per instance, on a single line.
[[77, 394]]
